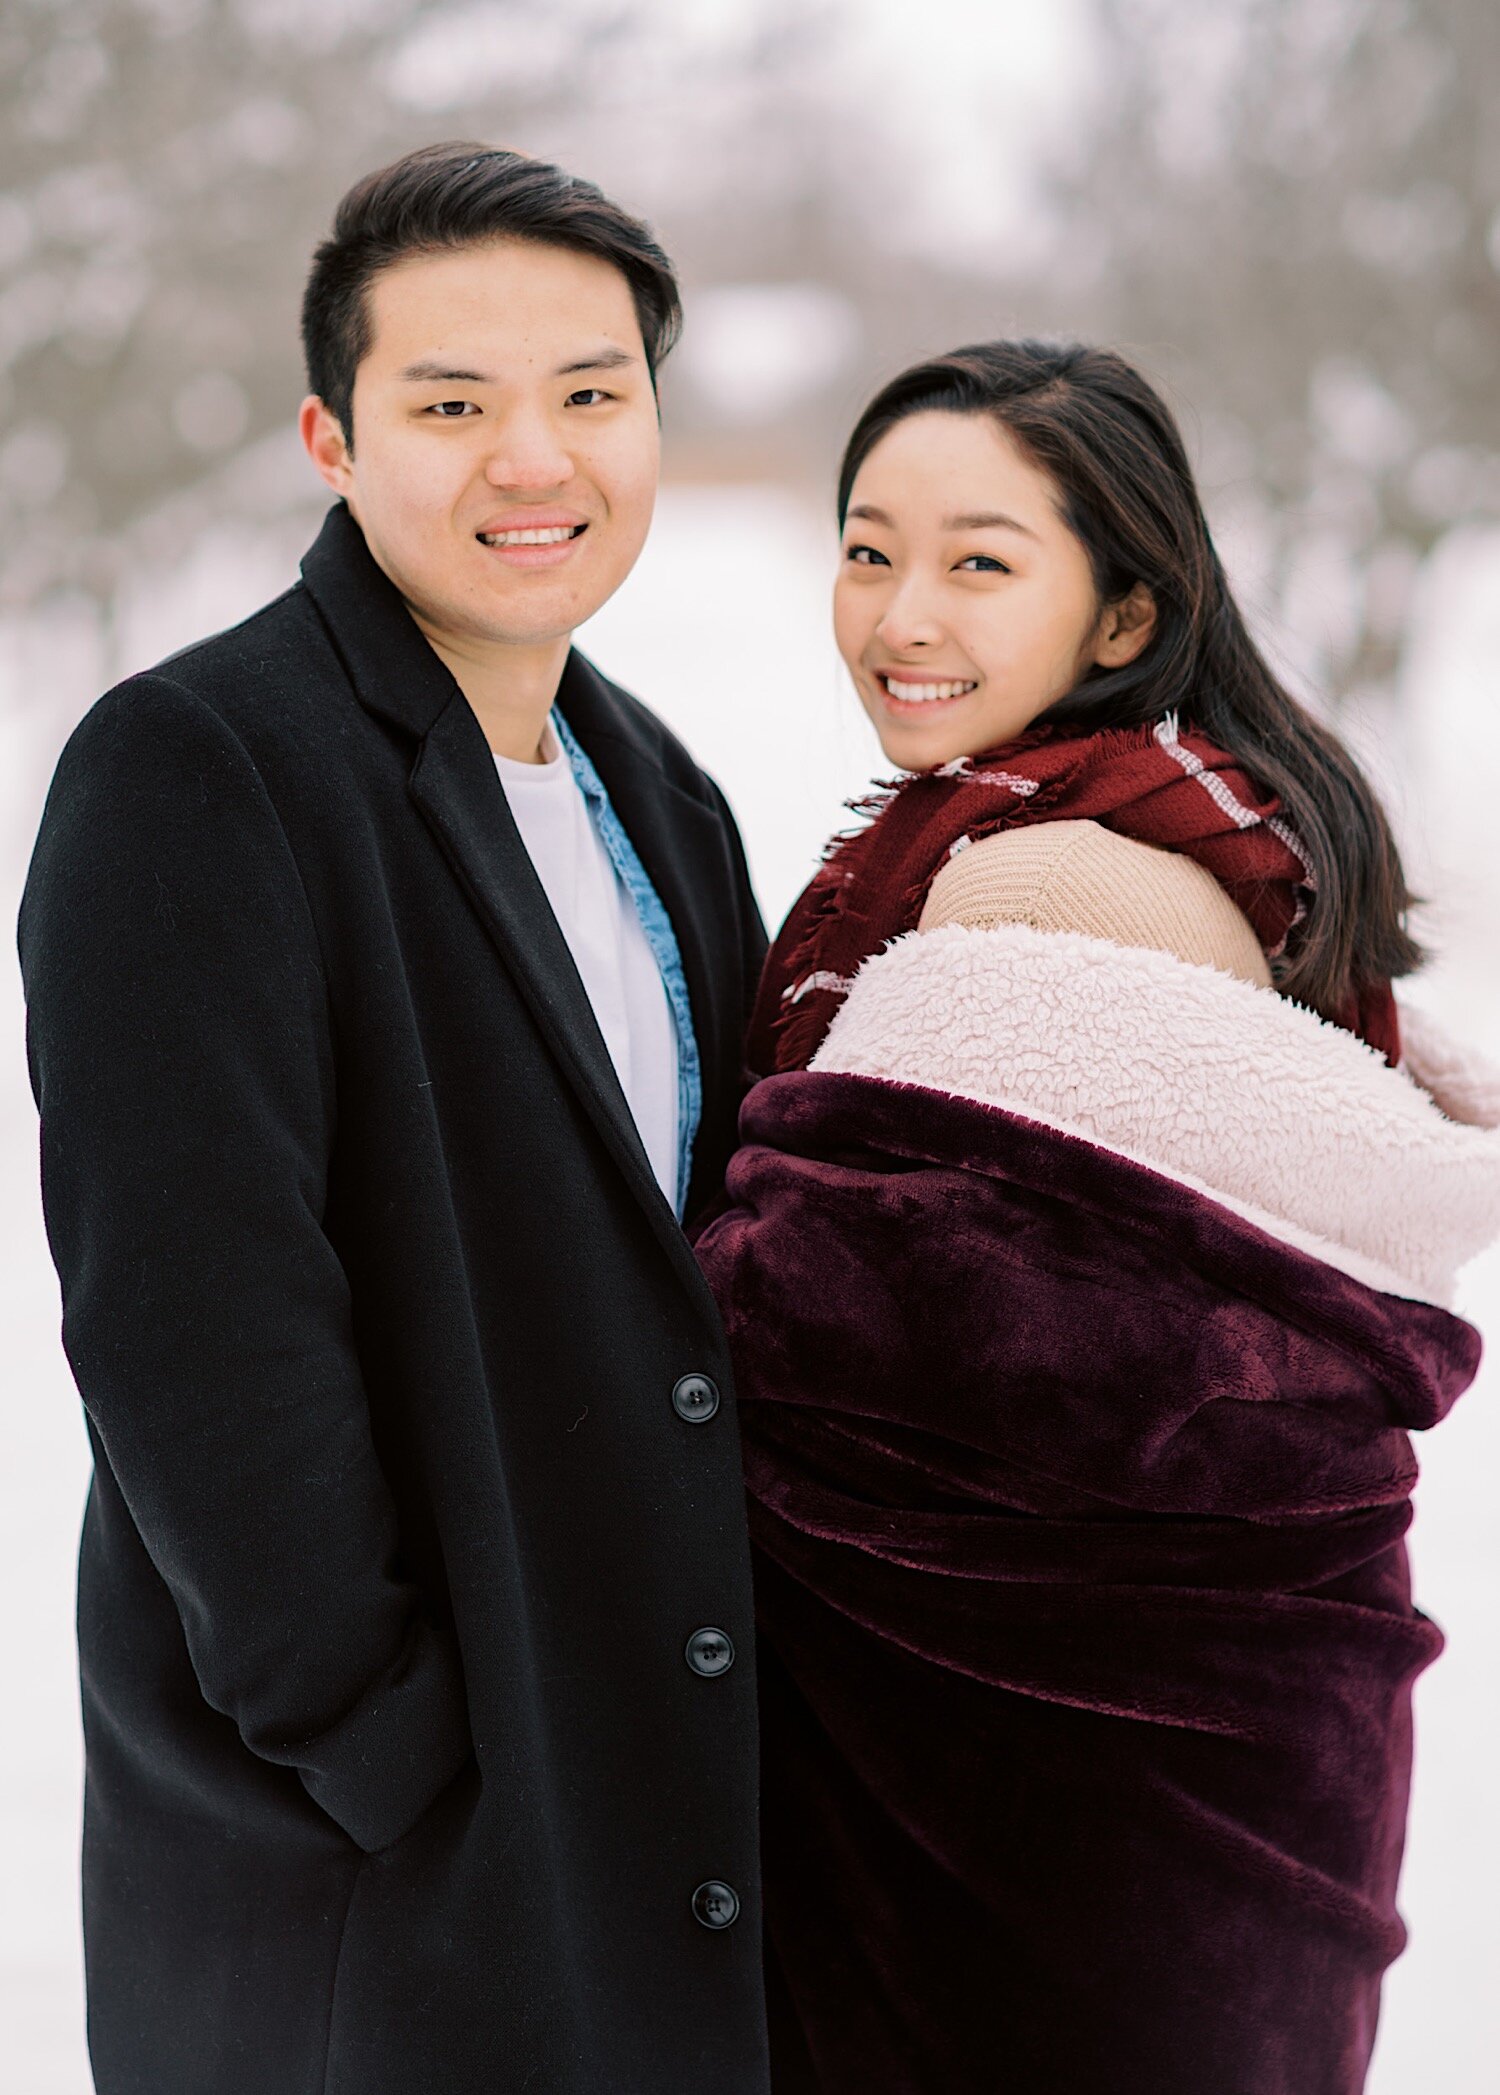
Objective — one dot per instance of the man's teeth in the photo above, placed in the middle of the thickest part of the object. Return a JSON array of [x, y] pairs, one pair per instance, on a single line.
[[553, 537], [917, 694]]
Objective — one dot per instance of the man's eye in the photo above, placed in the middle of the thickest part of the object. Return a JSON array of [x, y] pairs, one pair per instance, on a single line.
[[990, 563], [585, 392], [452, 410], [855, 553]]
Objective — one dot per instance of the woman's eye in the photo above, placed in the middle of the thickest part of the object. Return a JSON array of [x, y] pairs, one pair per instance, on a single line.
[[858, 555], [584, 392], [989, 564], [452, 410]]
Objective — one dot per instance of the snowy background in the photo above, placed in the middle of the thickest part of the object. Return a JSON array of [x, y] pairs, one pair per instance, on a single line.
[[1288, 210]]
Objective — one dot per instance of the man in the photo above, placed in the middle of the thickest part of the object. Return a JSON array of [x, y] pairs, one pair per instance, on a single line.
[[386, 970]]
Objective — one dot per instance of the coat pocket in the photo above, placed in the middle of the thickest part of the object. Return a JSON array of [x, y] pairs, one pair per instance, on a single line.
[[394, 1981]]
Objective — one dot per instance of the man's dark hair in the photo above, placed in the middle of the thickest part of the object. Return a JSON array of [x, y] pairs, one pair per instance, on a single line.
[[460, 195]]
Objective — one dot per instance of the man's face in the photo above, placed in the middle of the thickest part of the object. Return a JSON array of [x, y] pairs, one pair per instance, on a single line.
[[505, 390]]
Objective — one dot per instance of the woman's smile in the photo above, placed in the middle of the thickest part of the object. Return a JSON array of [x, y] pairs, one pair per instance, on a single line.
[[905, 693]]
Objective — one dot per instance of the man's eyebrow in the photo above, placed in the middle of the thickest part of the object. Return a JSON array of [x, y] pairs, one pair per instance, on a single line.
[[973, 520], [601, 360], [432, 371]]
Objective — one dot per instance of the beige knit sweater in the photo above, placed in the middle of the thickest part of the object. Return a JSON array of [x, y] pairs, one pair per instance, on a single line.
[[1077, 876]]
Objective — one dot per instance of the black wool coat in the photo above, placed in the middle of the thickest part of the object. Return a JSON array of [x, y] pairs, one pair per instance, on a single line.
[[404, 1772]]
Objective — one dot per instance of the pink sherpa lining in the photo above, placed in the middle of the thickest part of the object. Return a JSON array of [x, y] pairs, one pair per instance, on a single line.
[[1391, 1175]]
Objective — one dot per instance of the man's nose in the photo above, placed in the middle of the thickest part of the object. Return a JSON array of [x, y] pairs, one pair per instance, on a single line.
[[526, 453]]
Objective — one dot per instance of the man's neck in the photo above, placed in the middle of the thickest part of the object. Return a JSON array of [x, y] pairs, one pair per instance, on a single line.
[[510, 689]]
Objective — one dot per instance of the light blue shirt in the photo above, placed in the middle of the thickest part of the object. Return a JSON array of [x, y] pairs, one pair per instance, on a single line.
[[661, 938]]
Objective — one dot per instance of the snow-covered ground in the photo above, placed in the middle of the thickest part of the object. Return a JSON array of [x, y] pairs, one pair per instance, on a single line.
[[734, 580]]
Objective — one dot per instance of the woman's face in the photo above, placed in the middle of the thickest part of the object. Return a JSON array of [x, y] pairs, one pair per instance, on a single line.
[[964, 605]]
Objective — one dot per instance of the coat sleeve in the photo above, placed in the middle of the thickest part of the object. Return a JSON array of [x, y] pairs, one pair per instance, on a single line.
[[181, 1057]]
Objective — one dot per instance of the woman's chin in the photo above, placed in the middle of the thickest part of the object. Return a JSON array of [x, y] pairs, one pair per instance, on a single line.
[[921, 747], [913, 745], [940, 731]]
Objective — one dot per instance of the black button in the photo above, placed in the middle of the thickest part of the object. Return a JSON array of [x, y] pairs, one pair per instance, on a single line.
[[695, 1398], [716, 1905], [710, 1651]]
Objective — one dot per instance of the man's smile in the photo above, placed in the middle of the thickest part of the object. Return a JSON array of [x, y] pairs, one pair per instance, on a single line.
[[553, 537], [543, 542]]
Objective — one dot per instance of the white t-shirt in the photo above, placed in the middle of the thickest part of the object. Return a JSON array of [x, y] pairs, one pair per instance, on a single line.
[[610, 949]]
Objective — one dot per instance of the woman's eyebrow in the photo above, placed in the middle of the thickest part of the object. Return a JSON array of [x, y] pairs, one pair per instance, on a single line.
[[973, 520], [986, 520]]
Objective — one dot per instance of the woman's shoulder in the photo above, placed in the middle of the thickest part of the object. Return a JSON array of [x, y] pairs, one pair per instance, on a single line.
[[1081, 877]]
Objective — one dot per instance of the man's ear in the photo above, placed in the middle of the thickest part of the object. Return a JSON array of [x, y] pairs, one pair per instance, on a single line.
[[1125, 628], [325, 443]]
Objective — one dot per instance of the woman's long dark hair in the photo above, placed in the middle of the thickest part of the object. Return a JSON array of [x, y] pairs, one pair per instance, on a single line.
[[1111, 446]]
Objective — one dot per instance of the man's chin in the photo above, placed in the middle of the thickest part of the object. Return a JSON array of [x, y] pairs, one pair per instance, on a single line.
[[484, 619]]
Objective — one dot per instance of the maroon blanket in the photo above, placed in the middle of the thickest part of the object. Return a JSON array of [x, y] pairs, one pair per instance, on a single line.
[[1085, 1632]]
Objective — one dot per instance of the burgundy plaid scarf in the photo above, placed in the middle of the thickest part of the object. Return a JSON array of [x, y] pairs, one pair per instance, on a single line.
[[1160, 784]]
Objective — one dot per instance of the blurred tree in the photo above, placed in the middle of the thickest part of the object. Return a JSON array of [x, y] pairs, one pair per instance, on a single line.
[[167, 167], [1287, 209], [1291, 210]]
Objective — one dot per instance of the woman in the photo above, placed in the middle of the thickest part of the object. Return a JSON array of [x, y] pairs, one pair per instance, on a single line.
[[1086, 1262]]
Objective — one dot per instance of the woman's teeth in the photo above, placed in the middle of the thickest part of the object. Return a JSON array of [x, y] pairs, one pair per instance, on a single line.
[[920, 694], [553, 537]]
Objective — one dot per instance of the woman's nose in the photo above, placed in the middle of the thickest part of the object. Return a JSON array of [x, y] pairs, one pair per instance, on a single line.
[[908, 622]]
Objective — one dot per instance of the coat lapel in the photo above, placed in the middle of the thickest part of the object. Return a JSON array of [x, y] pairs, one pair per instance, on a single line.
[[455, 786]]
